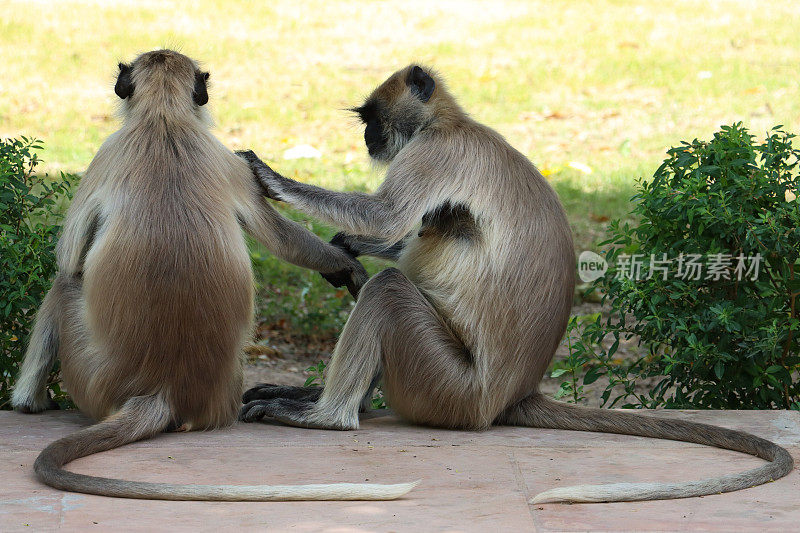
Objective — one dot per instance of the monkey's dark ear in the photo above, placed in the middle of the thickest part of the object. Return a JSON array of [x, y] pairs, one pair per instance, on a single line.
[[200, 92], [124, 86], [420, 83]]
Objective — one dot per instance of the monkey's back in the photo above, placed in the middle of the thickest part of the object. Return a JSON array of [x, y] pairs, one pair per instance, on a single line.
[[168, 283]]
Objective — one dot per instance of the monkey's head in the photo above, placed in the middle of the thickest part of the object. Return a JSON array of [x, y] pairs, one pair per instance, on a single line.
[[164, 81], [411, 100]]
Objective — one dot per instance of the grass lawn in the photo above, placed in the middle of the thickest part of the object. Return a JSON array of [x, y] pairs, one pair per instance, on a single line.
[[593, 92]]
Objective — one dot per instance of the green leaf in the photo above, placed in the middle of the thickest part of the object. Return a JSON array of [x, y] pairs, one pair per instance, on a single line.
[[592, 375]]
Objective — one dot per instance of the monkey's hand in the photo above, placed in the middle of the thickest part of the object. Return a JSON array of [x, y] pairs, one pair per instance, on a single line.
[[265, 176], [340, 241], [353, 277]]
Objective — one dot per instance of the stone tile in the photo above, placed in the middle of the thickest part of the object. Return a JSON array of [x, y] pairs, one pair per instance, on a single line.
[[470, 481], [457, 492], [770, 507], [28, 431]]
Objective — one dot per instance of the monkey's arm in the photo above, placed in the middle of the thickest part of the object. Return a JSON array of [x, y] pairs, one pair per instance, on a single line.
[[293, 243], [358, 245], [81, 225], [387, 215]]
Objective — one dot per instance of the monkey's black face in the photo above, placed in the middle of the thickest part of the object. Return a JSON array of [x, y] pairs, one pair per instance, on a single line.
[[374, 135]]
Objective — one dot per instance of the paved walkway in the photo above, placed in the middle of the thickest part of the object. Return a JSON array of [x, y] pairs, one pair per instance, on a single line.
[[470, 481]]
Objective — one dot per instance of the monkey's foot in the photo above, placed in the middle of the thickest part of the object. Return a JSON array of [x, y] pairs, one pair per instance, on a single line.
[[290, 412], [268, 391], [35, 406]]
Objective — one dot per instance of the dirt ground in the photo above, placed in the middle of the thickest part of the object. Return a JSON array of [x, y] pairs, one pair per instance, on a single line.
[[279, 358]]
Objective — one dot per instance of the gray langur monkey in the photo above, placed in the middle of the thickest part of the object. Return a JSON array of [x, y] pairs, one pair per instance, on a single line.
[[153, 300], [464, 329]]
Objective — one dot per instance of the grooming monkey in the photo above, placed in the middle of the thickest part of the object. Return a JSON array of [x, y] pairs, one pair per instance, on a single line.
[[464, 329], [154, 295]]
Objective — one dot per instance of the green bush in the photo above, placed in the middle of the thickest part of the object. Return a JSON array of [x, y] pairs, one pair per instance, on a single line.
[[29, 217], [717, 342]]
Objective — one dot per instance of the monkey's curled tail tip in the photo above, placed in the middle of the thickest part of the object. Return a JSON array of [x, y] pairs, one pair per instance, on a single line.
[[552, 496], [383, 492], [408, 487], [616, 492], [575, 494], [401, 489]]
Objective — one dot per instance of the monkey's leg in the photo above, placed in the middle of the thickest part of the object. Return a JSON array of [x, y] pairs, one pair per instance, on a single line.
[[428, 374], [30, 392], [366, 401]]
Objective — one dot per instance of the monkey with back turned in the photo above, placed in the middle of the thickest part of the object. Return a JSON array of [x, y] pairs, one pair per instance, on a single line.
[[154, 294]]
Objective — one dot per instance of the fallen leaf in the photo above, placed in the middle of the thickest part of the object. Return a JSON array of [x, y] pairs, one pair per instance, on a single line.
[[258, 350], [555, 115]]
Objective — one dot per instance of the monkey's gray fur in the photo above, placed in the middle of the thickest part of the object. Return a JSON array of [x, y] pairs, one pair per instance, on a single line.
[[154, 295], [465, 328]]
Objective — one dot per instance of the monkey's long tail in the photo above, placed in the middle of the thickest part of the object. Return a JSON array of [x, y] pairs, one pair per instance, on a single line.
[[146, 416], [541, 412]]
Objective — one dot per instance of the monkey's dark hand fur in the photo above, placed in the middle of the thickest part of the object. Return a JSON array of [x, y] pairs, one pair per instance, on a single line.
[[262, 172], [352, 277], [358, 245], [340, 241], [344, 277]]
